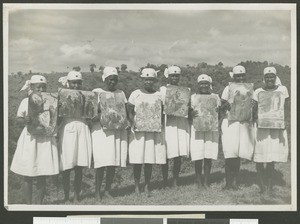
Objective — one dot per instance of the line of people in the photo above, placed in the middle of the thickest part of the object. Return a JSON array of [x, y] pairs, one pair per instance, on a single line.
[[41, 156]]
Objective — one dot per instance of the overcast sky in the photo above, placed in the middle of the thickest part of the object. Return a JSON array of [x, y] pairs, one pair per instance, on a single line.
[[52, 40]]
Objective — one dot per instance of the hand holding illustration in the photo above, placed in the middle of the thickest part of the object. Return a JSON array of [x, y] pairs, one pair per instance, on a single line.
[[27, 119]]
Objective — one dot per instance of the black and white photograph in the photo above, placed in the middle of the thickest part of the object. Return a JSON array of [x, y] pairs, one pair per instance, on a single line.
[[148, 158]]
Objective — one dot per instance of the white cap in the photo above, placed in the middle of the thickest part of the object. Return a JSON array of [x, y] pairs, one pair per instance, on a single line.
[[38, 79], [204, 77], [172, 70], [268, 70], [34, 80], [107, 71], [149, 72], [239, 69], [74, 75]]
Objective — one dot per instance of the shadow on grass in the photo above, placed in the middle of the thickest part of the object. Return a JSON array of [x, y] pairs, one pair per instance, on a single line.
[[246, 177]]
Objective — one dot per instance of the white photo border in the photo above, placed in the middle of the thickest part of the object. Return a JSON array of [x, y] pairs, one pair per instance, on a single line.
[[292, 7]]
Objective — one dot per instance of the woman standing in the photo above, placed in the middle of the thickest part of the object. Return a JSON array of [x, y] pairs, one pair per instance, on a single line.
[[35, 156], [145, 147], [237, 137], [204, 144], [271, 145], [109, 146], [177, 130], [75, 142]]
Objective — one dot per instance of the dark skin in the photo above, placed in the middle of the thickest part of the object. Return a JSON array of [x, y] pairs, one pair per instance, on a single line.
[[41, 180], [137, 168], [173, 79], [111, 82], [76, 85]]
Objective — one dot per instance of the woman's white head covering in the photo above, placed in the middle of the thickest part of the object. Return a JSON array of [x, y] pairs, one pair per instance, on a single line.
[[239, 69], [108, 71], [149, 72], [272, 70], [204, 77], [34, 80], [72, 75], [172, 70]]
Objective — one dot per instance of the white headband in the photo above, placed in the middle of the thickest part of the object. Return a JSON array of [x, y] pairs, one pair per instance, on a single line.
[[72, 75], [34, 80], [172, 70], [108, 71], [149, 72], [239, 69]]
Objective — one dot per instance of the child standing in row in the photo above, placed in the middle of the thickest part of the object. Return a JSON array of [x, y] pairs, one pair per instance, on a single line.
[[75, 142], [35, 156], [204, 144], [271, 145], [177, 131], [237, 137], [109, 146], [145, 147]]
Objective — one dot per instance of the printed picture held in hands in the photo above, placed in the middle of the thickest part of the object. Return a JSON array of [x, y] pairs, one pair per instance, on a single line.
[[42, 109], [271, 110], [240, 97], [176, 101], [77, 103], [113, 111], [207, 116]]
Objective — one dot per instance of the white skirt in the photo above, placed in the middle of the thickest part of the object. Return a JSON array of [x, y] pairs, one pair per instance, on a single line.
[[109, 147], [204, 145], [177, 136], [237, 139], [35, 156], [147, 147], [75, 144], [271, 145]]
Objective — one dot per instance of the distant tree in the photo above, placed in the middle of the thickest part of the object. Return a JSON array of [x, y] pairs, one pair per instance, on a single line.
[[30, 72], [20, 73], [92, 67], [77, 68], [118, 69], [101, 68], [220, 64], [123, 67], [162, 67]]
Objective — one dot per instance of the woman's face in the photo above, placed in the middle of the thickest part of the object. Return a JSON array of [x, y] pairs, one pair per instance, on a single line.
[[111, 82], [174, 79], [239, 77], [75, 84], [39, 87], [204, 87], [149, 83], [270, 80]]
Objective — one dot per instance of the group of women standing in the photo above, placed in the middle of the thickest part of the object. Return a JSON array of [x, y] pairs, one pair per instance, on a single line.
[[41, 156]]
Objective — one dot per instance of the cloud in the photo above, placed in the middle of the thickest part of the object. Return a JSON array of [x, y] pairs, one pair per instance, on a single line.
[[82, 52], [55, 39], [214, 32]]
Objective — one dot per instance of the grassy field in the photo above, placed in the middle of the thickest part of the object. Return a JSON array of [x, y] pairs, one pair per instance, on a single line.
[[185, 194]]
